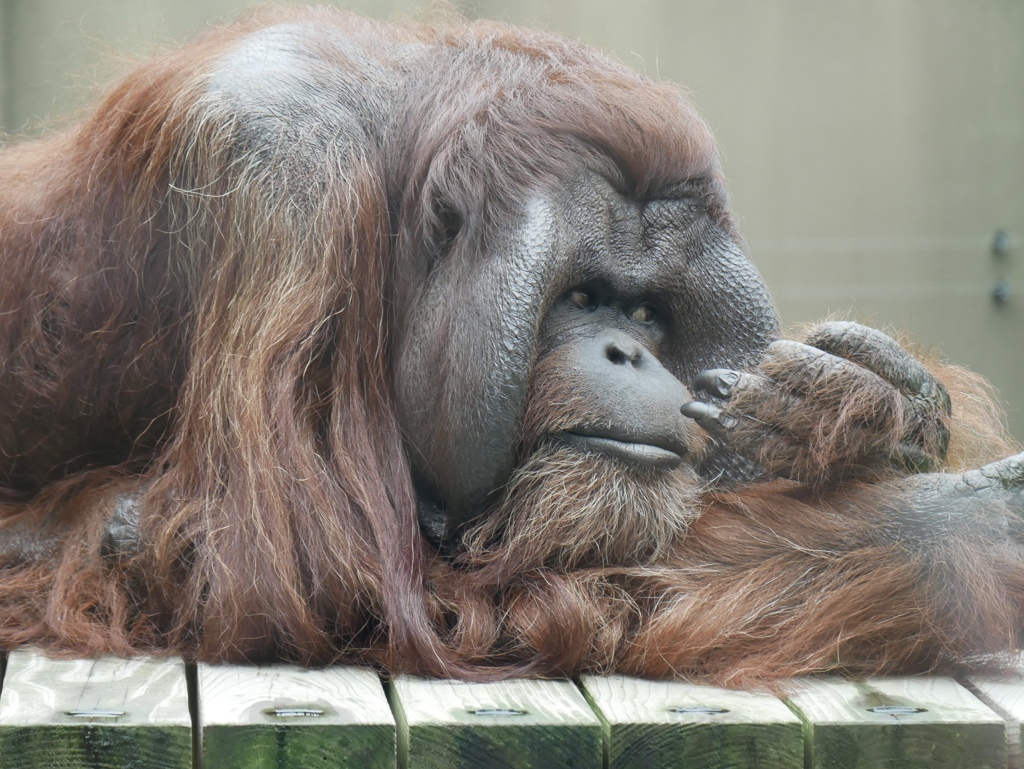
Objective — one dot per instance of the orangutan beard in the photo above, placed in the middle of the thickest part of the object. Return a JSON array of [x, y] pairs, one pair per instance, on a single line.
[[566, 508]]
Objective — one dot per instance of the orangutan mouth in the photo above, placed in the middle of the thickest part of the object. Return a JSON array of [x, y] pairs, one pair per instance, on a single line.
[[647, 454]]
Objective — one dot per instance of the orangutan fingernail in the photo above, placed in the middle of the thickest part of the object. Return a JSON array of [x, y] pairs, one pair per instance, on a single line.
[[711, 418], [695, 410], [726, 381], [717, 381]]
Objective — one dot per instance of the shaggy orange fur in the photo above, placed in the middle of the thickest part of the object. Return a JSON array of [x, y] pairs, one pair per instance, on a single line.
[[196, 331]]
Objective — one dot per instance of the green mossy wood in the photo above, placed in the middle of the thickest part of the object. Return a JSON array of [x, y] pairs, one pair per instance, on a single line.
[[902, 723], [1005, 695], [509, 725], [105, 713], [682, 726], [286, 717]]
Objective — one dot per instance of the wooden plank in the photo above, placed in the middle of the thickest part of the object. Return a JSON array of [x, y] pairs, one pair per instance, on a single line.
[[910, 723], [513, 725], [99, 713], [284, 716], [683, 726], [1005, 695]]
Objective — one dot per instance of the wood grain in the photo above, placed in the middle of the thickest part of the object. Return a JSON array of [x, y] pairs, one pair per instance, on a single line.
[[100, 713], [514, 725], [904, 723], [684, 726], [283, 716]]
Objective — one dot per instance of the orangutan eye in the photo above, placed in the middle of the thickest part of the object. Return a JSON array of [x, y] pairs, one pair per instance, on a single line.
[[642, 313], [581, 299]]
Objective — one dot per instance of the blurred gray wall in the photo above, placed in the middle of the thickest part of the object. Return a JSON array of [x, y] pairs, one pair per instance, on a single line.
[[874, 147]]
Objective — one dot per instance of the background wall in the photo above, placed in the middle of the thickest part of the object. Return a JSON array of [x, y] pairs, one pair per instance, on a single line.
[[874, 147]]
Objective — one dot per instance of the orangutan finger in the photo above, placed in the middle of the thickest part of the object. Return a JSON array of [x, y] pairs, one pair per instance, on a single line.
[[753, 403], [807, 370], [756, 409], [716, 381], [711, 419], [926, 401], [755, 420], [996, 478], [878, 352]]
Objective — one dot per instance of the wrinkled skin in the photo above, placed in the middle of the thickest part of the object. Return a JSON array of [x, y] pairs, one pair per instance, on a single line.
[[804, 389], [601, 274], [302, 292], [578, 267], [709, 307]]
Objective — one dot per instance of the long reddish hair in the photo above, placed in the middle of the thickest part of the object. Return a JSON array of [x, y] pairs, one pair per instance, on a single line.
[[187, 332]]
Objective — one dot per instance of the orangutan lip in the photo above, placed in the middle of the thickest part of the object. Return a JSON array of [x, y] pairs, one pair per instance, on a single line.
[[638, 453]]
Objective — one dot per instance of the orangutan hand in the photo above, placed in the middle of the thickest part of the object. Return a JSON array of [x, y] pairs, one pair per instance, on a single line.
[[849, 401]]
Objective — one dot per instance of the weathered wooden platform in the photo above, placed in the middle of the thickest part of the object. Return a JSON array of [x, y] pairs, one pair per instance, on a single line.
[[159, 714]]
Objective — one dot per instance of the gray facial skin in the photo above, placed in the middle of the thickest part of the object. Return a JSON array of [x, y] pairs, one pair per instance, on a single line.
[[708, 303]]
